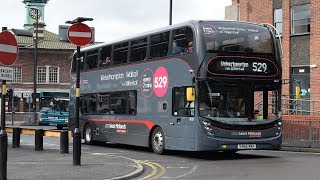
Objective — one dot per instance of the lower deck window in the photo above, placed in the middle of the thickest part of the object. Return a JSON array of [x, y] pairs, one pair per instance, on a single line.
[[121, 102]]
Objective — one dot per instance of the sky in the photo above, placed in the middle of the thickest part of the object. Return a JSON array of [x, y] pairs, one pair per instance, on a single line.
[[115, 19]]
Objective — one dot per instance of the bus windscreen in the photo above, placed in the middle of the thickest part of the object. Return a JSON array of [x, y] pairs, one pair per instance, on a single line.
[[233, 37]]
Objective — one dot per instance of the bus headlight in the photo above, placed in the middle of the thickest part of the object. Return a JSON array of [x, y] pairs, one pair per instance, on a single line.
[[207, 126], [279, 115]]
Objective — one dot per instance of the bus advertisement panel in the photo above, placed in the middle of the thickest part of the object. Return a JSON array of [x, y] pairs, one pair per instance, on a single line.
[[195, 86]]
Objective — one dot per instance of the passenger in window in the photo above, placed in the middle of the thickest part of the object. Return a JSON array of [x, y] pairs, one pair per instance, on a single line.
[[190, 47], [106, 62], [177, 49]]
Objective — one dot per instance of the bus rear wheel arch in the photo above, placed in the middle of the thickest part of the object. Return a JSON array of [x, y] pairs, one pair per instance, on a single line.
[[157, 141]]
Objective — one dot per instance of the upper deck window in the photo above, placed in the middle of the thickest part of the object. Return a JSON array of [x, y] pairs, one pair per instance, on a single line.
[[120, 53], [182, 41], [105, 56], [232, 37], [159, 45], [138, 49], [91, 59]]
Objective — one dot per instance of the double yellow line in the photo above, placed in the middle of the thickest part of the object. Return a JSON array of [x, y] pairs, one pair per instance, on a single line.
[[157, 170]]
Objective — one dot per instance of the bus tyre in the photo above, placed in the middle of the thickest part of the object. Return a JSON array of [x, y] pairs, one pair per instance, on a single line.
[[88, 134], [157, 141]]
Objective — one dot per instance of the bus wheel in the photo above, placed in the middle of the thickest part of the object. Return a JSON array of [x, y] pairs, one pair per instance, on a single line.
[[157, 141], [88, 134]]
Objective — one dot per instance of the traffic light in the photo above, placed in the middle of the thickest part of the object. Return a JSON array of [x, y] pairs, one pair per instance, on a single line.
[[298, 92], [10, 93]]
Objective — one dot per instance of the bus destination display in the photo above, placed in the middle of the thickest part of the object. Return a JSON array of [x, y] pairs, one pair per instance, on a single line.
[[242, 66]]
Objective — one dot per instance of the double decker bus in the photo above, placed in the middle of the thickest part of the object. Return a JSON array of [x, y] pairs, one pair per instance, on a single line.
[[54, 109], [222, 93]]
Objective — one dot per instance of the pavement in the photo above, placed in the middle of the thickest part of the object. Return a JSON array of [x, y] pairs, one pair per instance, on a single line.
[[24, 163]]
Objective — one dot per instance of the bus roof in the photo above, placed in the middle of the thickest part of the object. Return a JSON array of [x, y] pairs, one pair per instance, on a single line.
[[190, 23]]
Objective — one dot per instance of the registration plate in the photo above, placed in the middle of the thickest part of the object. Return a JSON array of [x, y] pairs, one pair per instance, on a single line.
[[247, 146]]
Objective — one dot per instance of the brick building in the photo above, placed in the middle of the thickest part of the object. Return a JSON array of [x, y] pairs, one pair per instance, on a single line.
[[298, 22], [53, 61]]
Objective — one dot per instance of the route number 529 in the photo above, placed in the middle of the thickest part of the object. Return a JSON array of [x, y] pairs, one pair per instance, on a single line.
[[259, 67]]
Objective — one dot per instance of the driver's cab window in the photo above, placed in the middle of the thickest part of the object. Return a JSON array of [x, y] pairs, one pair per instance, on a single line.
[[181, 106]]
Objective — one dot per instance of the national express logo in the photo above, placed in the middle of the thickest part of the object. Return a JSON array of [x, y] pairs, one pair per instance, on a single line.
[[156, 82]]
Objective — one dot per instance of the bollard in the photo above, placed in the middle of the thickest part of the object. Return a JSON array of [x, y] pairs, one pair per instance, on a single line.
[[64, 142], [38, 140], [16, 137]]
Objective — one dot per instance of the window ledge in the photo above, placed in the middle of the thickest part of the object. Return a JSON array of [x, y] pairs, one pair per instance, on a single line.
[[302, 34]]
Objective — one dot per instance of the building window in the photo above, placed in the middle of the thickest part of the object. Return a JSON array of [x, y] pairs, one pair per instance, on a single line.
[[300, 19], [277, 17], [53, 75], [47, 74], [17, 74]]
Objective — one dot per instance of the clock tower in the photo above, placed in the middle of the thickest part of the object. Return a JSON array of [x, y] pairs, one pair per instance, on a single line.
[[32, 6]]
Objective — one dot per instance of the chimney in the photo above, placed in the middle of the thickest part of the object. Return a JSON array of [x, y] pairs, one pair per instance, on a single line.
[[41, 26]]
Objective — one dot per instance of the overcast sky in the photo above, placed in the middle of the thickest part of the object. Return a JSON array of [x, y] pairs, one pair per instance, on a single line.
[[115, 18]]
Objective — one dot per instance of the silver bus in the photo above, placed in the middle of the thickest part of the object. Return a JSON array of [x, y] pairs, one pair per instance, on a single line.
[[194, 86]]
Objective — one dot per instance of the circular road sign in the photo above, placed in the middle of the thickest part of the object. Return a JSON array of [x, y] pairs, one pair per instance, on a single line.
[[79, 34], [9, 49]]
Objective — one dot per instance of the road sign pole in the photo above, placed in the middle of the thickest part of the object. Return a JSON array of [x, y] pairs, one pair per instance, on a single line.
[[79, 34], [3, 133], [77, 134]]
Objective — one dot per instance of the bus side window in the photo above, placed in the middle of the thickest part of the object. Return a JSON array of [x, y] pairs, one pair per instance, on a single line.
[[183, 39], [90, 103], [181, 107], [120, 53], [159, 45], [92, 59], [105, 56], [138, 50], [132, 102]]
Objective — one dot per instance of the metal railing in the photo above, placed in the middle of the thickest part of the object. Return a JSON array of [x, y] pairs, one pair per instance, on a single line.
[[300, 106], [301, 133]]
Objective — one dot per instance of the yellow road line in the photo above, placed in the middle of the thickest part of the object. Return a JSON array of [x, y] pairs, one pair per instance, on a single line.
[[162, 170], [154, 170]]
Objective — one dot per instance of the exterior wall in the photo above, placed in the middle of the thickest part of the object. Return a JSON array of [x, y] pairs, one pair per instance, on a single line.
[[286, 32], [300, 50], [261, 12], [315, 50], [46, 57], [277, 4]]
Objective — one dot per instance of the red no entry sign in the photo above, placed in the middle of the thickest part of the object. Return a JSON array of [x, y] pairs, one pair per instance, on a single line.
[[9, 49], [79, 34]]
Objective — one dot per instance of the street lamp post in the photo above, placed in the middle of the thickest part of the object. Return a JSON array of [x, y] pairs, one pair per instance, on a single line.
[[170, 13], [35, 69]]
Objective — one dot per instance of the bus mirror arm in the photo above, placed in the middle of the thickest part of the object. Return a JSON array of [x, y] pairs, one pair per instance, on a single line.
[[193, 76]]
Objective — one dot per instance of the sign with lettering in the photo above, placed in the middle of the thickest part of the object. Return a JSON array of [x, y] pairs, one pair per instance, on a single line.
[[6, 73], [242, 66]]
